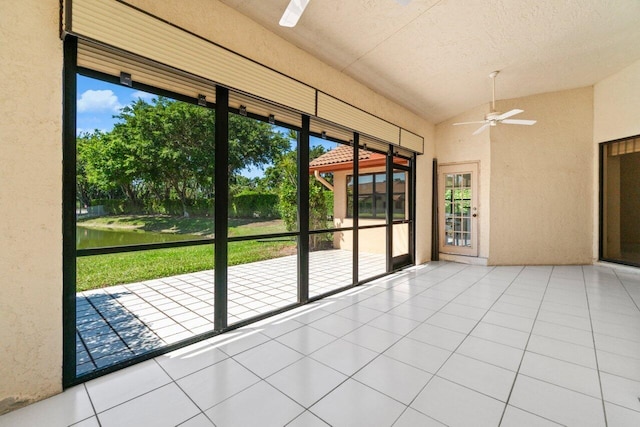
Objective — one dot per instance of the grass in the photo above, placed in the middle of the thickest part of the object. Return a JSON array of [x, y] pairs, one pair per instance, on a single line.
[[98, 271]]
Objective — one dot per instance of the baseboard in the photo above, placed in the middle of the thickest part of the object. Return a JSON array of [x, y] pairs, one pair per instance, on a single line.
[[472, 260]]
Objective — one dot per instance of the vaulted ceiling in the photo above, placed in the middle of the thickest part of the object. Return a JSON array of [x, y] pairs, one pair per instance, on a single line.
[[434, 56]]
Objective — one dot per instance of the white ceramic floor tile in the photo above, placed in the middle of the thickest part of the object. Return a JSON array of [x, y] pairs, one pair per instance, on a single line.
[[577, 322], [372, 338], [359, 313], [267, 358], [118, 387], [622, 366], [555, 403], [621, 391], [508, 321], [617, 416], [307, 419], [501, 335], [166, 406], [563, 350], [455, 405], [413, 312], [344, 356], [306, 381], [215, 383], [199, 420], [395, 324], [563, 333], [618, 346], [435, 335], [393, 378], [451, 322], [336, 325], [235, 342], [466, 311], [63, 409], [354, 404], [277, 327], [491, 352], [259, 405], [413, 418], [418, 354], [190, 359], [89, 422], [515, 417], [306, 339], [561, 373], [479, 376]]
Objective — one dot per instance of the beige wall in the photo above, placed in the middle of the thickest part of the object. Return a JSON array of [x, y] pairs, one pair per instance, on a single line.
[[456, 144], [541, 181], [30, 203]]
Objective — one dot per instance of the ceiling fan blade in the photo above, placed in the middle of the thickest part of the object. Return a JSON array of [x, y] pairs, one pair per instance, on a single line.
[[293, 12], [509, 114], [470, 123], [481, 128], [519, 122]]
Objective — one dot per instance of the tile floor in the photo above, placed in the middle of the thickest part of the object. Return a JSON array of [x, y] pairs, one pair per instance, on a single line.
[[439, 344], [119, 322]]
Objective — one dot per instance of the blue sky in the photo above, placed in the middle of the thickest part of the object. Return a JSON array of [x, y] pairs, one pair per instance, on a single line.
[[99, 101]]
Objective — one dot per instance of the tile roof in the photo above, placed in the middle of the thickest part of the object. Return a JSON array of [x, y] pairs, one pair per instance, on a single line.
[[341, 154]]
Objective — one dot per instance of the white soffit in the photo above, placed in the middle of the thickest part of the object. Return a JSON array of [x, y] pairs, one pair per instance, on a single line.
[[121, 26], [434, 56]]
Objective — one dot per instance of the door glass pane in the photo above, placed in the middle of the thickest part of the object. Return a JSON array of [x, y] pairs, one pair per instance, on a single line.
[[621, 202], [457, 209]]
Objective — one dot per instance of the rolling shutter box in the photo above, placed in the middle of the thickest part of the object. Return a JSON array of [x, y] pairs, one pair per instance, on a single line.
[[121, 26], [115, 37]]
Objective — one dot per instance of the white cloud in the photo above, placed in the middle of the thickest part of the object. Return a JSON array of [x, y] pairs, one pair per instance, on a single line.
[[98, 101], [143, 95]]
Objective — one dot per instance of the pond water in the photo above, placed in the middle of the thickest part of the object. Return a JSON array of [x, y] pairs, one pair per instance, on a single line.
[[102, 237]]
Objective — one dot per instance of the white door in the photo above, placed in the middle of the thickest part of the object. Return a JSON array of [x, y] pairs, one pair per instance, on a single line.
[[458, 208]]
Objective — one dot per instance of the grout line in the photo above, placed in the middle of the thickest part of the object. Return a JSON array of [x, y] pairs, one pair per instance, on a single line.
[[524, 352], [595, 349]]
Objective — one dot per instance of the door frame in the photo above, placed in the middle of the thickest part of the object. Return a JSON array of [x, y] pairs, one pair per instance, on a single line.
[[472, 167]]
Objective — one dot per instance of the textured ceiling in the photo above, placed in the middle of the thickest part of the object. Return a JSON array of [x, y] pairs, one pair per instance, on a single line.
[[434, 56]]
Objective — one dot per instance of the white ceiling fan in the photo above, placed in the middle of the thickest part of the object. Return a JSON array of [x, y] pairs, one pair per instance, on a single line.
[[494, 117], [293, 12]]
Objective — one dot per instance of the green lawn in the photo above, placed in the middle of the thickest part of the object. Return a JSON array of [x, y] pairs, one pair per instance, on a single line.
[[98, 271]]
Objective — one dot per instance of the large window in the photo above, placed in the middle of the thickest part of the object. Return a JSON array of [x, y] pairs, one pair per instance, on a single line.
[[185, 218], [620, 202], [372, 197]]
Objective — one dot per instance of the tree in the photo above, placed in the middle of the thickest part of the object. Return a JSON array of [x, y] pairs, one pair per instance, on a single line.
[[167, 148]]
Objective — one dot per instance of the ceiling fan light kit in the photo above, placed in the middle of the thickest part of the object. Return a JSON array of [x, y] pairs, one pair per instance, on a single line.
[[293, 12], [493, 117]]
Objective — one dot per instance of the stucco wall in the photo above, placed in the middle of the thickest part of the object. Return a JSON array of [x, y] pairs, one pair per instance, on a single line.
[[30, 202], [541, 181], [456, 144]]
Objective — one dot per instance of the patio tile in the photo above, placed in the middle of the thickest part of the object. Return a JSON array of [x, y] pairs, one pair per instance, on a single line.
[[306, 381], [393, 378], [119, 387], [354, 404], [455, 405], [555, 403], [166, 406]]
